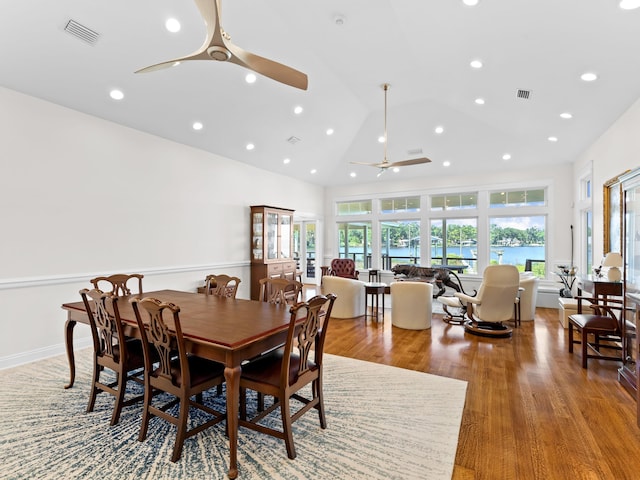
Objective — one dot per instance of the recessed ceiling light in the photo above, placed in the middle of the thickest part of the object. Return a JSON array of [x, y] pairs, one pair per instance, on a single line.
[[396, 169], [589, 76], [116, 94], [250, 78], [286, 160], [479, 101], [298, 110], [470, 3], [439, 129], [381, 139], [629, 4], [172, 25], [446, 163], [553, 139], [197, 125], [314, 171], [566, 115], [250, 146], [329, 131], [353, 175], [506, 156], [476, 64]]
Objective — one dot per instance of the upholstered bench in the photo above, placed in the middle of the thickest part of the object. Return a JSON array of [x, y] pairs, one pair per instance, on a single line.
[[566, 307]]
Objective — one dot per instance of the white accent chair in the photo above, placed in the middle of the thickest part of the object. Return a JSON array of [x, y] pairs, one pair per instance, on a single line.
[[411, 305], [350, 296], [528, 296]]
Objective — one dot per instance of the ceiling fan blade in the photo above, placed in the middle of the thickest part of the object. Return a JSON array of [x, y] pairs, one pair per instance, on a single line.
[[199, 55], [269, 68], [413, 161]]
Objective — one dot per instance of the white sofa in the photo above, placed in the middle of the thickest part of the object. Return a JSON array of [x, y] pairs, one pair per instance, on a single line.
[[411, 305], [350, 296]]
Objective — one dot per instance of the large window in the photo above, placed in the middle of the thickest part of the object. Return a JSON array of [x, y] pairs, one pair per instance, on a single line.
[[454, 242], [454, 201], [354, 241], [362, 207], [517, 198], [399, 205], [399, 242], [519, 241]]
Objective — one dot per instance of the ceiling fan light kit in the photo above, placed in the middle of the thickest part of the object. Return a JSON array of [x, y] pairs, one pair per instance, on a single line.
[[217, 46], [385, 164]]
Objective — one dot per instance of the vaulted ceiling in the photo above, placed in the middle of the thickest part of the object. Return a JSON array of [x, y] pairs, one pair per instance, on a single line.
[[533, 54]]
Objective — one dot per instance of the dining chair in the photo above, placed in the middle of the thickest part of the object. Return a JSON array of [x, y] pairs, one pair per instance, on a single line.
[[181, 375], [599, 330], [112, 350], [280, 290], [221, 285], [118, 283], [284, 372]]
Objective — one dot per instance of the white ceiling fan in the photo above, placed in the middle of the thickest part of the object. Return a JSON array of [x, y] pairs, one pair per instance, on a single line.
[[385, 164], [217, 46]]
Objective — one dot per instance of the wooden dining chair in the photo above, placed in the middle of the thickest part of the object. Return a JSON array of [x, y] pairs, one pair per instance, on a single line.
[[284, 372], [183, 375], [112, 350], [280, 290], [118, 283], [221, 285]]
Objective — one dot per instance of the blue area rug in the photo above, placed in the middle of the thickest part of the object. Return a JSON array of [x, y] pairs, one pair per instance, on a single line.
[[383, 423]]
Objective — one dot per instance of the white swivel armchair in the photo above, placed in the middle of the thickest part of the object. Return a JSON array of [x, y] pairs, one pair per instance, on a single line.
[[411, 305], [494, 303], [528, 296], [350, 296]]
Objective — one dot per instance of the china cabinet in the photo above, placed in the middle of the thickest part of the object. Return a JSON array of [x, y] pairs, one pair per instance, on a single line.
[[271, 245]]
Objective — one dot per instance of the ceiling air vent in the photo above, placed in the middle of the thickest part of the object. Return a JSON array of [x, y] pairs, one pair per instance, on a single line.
[[80, 31], [524, 94], [415, 151], [293, 140]]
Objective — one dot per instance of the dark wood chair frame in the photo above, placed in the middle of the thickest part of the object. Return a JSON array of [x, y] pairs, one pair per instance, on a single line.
[[284, 372], [179, 374], [280, 290], [221, 285], [112, 350], [119, 283], [604, 324]]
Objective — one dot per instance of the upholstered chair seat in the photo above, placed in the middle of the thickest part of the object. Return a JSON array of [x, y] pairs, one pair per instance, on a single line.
[[411, 306], [350, 295]]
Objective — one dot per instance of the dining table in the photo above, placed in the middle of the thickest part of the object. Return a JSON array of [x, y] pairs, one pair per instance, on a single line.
[[226, 330]]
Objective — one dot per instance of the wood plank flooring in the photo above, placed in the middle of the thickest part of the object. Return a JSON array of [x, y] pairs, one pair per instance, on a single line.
[[531, 412]]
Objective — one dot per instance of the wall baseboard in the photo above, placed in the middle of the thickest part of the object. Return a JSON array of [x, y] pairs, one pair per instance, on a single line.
[[41, 353]]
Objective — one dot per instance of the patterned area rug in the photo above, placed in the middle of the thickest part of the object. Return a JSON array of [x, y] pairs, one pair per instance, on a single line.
[[383, 423]]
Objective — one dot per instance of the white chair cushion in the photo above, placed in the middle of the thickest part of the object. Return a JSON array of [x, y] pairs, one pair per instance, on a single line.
[[411, 305], [350, 296]]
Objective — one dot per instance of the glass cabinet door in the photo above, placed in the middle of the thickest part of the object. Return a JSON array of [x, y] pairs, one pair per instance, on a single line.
[[285, 236], [256, 236], [272, 236]]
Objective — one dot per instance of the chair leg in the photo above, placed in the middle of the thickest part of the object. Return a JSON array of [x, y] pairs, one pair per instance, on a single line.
[[122, 387], [181, 434], [584, 347], [285, 412], [243, 403], [94, 389], [144, 426], [317, 392]]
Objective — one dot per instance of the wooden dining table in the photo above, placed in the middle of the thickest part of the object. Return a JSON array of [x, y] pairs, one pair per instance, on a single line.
[[227, 330]]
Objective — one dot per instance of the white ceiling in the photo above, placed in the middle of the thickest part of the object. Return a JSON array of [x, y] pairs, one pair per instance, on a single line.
[[422, 48]]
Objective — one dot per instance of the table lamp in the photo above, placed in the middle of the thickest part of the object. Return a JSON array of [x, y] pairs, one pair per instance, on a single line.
[[613, 260]]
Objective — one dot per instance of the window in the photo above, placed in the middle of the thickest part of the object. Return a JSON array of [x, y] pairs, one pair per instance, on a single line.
[[400, 205], [354, 241], [456, 201], [399, 242], [354, 208], [517, 198], [454, 242], [519, 241]]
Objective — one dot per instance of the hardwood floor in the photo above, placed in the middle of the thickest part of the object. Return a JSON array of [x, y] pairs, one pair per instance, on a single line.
[[531, 411]]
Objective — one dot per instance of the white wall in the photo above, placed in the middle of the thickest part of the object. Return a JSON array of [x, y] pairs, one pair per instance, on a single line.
[[80, 196], [617, 150]]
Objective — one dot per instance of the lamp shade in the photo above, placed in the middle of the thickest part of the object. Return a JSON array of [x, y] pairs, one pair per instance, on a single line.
[[612, 259]]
